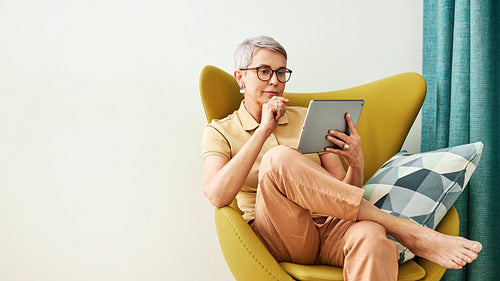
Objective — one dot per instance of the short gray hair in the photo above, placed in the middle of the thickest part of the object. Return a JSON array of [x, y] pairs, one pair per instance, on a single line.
[[246, 49]]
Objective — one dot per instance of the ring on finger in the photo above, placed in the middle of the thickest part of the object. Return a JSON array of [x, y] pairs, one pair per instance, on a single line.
[[276, 105], [346, 146]]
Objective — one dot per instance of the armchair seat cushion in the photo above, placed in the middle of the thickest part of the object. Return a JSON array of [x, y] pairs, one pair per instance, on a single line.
[[408, 271]]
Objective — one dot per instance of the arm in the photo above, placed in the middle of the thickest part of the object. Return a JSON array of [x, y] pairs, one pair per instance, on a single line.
[[223, 179], [353, 156], [333, 165]]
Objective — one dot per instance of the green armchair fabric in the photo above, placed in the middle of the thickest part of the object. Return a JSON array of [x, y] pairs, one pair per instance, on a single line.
[[391, 106]]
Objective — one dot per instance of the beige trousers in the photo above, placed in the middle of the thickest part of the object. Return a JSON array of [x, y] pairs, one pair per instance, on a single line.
[[290, 185]]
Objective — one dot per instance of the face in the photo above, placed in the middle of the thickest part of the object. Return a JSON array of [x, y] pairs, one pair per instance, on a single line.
[[258, 92]]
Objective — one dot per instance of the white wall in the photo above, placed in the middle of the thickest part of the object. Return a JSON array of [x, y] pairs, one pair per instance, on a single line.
[[100, 121]]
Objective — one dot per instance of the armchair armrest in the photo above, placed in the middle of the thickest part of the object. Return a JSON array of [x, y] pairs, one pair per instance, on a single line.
[[245, 254]]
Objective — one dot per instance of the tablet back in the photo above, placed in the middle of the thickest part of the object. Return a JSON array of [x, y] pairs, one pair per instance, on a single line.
[[323, 115]]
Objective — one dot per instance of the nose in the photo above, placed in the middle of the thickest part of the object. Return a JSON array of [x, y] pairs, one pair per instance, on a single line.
[[274, 78]]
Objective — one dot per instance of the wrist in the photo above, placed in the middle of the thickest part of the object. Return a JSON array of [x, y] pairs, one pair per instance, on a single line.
[[359, 168], [264, 131]]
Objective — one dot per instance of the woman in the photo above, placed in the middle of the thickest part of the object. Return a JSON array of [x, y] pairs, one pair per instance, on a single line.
[[306, 208]]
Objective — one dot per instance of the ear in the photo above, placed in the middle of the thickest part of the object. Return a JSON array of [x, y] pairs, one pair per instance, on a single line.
[[238, 75]]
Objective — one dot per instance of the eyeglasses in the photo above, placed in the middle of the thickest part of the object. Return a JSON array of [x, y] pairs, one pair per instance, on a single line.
[[265, 73]]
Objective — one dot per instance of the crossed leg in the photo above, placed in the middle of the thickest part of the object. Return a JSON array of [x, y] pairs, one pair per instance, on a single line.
[[340, 200]]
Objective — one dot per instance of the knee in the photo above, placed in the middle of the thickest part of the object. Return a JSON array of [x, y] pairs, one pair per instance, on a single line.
[[278, 155], [281, 152]]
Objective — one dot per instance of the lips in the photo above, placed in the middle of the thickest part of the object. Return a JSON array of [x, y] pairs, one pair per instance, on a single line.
[[271, 93]]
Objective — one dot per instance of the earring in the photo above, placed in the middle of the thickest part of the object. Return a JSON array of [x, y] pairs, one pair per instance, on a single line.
[[242, 89]]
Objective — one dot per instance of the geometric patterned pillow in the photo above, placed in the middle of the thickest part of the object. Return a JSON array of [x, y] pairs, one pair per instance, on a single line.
[[423, 186]]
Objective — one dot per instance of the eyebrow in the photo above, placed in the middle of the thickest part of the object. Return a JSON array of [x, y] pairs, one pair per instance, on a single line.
[[270, 66]]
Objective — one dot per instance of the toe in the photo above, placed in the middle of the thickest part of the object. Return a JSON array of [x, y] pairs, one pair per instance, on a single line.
[[458, 263], [469, 256], [464, 259], [477, 247]]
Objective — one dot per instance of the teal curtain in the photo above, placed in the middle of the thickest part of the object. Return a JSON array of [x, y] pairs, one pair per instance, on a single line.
[[461, 64]]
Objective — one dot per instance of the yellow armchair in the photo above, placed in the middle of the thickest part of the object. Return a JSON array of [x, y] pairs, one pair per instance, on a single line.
[[391, 106]]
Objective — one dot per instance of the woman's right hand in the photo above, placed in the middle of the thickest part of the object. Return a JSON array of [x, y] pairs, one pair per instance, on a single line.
[[272, 111]]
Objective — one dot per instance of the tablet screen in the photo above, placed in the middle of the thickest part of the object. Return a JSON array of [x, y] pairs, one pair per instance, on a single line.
[[323, 115]]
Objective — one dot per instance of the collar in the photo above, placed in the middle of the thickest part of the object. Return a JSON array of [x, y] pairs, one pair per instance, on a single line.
[[249, 122]]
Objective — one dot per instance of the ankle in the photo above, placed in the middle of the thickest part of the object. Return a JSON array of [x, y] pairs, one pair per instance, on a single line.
[[407, 232]]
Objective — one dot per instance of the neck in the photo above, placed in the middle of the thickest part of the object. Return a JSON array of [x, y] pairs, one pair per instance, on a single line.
[[254, 110]]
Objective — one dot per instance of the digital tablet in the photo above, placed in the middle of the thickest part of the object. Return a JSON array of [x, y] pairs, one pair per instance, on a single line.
[[323, 115]]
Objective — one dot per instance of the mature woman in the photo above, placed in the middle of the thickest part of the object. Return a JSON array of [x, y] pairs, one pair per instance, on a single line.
[[306, 208]]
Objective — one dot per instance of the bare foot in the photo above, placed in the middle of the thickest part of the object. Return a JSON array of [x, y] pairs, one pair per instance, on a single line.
[[445, 250]]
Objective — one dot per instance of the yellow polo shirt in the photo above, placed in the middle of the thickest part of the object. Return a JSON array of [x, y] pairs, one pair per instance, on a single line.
[[225, 137]]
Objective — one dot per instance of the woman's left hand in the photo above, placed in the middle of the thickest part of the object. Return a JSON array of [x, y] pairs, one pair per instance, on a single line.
[[349, 147]]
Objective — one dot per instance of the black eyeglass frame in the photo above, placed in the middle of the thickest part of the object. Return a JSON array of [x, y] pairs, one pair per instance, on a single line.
[[272, 72]]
